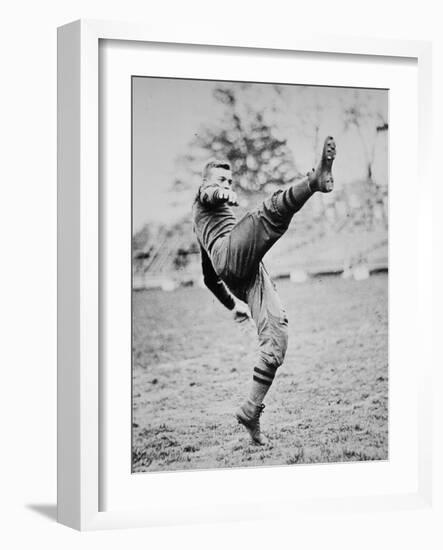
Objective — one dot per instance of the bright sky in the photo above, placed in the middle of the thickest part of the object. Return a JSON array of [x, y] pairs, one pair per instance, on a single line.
[[168, 112]]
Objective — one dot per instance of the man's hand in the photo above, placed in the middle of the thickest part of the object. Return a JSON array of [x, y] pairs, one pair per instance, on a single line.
[[226, 195], [241, 312]]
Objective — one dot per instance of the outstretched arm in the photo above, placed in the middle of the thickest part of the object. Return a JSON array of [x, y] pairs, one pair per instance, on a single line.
[[214, 283], [215, 194]]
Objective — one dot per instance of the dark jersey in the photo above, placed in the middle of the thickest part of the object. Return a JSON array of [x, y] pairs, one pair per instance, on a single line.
[[212, 219]]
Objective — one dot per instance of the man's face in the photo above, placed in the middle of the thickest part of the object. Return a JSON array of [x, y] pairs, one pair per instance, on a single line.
[[220, 177]]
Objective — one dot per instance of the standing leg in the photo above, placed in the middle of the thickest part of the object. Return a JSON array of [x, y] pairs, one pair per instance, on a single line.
[[272, 328]]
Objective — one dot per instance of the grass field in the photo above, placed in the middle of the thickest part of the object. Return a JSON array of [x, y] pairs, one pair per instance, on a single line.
[[192, 366]]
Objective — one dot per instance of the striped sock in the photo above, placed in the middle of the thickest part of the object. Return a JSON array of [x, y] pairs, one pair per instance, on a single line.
[[293, 198], [262, 379]]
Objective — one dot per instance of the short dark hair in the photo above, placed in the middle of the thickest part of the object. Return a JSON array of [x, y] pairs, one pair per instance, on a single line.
[[215, 164]]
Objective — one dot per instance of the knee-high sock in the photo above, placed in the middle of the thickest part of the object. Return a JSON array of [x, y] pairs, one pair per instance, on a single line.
[[262, 379], [290, 200]]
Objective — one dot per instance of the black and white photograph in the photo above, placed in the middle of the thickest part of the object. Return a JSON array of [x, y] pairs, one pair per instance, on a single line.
[[222, 275], [259, 274]]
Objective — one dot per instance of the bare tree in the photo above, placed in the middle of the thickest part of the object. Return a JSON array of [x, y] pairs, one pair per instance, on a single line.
[[362, 115]]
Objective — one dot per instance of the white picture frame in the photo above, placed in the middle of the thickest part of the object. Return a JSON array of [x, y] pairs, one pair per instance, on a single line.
[[79, 293]]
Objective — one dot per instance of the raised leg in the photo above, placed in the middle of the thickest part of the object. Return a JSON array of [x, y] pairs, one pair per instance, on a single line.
[[258, 231]]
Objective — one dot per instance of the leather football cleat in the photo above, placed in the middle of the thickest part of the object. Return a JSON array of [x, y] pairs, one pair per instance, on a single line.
[[252, 423], [321, 178]]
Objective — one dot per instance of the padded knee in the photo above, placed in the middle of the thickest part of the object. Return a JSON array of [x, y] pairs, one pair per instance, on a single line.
[[273, 349]]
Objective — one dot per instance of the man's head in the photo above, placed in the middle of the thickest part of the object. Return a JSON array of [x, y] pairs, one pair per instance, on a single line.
[[218, 172]]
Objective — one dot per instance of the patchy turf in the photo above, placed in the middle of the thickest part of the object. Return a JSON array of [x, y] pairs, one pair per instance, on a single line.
[[192, 366]]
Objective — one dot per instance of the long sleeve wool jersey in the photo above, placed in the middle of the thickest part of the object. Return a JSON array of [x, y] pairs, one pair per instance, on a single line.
[[212, 219]]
